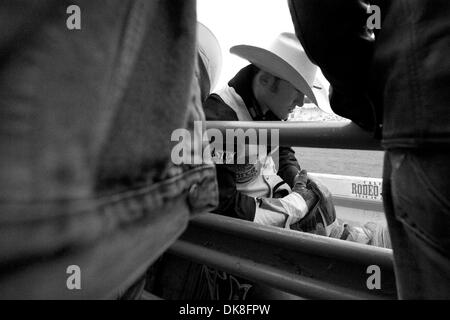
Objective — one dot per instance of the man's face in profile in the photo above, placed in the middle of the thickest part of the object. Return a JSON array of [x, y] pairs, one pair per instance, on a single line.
[[281, 98]]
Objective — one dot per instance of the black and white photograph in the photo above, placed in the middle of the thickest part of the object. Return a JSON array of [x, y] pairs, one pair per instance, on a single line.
[[226, 156]]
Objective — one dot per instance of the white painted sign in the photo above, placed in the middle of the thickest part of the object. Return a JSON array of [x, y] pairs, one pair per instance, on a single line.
[[352, 187]]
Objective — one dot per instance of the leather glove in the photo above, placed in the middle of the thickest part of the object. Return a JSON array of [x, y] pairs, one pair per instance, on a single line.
[[300, 187], [325, 203], [320, 204]]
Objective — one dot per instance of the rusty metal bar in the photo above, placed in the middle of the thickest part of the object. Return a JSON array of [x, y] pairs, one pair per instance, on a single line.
[[330, 134], [303, 264]]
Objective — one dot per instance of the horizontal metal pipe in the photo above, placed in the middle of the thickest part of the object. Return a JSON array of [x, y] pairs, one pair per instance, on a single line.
[[298, 285], [362, 204], [331, 134], [306, 265], [299, 241]]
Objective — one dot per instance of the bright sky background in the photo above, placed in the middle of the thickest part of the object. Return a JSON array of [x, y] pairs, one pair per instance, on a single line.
[[253, 22]]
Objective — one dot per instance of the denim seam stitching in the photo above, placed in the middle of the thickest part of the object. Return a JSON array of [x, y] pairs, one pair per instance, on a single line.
[[420, 173], [183, 181], [413, 227]]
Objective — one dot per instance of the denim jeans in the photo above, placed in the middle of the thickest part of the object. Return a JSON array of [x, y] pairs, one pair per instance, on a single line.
[[416, 193], [86, 118]]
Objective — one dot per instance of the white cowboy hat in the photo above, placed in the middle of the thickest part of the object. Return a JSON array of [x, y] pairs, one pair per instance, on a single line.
[[210, 53], [286, 59]]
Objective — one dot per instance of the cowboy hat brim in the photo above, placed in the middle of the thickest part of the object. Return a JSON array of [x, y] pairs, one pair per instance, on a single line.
[[321, 91], [272, 63], [210, 53]]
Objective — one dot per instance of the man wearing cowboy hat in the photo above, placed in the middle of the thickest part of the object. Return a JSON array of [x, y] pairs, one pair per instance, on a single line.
[[277, 80]]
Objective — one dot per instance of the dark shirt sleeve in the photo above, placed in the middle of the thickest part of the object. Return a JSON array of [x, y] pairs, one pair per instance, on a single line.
[[288, 166], [232, 203], [20, 19]]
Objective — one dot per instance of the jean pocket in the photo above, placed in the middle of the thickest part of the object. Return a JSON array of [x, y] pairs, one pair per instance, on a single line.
[[420, 187]]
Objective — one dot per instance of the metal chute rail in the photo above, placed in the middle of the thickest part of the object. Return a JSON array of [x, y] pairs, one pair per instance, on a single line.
[[302, 264], [313, 134]]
